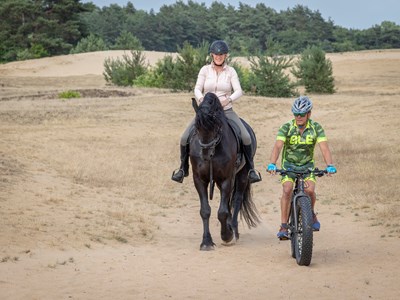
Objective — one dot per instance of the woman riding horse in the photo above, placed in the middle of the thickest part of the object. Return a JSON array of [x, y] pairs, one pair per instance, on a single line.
[[220, 78]]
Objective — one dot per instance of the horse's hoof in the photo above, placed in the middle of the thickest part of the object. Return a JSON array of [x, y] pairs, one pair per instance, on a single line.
[[230, 243], [207, 247], [227, 240], [227, 235]]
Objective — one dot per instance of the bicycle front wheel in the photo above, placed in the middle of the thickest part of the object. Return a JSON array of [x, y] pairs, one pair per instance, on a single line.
[[302, 236]]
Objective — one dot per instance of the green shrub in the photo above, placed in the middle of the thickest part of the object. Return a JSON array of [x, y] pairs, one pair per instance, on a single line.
[[177, 74], [89, 44], [165, 72], [244, 76], [187, 66], [125, 71], [314, 71], [36, 51], [69, 94], [268, 78], [150, 79]]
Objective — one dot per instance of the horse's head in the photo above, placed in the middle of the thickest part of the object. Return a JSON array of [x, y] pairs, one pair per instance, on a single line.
[[210, 112], [211, 101], [209, 120]]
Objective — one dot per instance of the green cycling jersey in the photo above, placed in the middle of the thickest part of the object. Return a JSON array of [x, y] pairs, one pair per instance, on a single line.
[[298, 148]]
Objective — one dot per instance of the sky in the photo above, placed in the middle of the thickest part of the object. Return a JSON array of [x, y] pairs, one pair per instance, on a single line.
[[351, 14]]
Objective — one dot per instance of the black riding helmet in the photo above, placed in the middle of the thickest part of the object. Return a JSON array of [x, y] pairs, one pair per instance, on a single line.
[[219, 47]]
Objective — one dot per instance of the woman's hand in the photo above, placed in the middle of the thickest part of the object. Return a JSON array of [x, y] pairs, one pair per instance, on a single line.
[[225, 101]]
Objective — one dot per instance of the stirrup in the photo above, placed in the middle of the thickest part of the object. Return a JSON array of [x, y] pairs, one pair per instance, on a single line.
[[175, 174], [254, 180]]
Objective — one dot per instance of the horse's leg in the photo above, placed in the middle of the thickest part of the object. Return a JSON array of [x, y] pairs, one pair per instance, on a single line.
[[205, 212], [224, 212], [237, 201]]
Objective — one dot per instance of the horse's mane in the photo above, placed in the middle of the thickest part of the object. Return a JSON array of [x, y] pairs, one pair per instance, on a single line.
[[210, 114]]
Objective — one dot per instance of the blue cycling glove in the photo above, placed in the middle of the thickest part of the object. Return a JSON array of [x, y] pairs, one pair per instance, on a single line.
[[331, 169], [271, 168]]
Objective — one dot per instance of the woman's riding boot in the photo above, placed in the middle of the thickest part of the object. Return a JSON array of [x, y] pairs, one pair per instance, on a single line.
[[183, 170], [253, 176]]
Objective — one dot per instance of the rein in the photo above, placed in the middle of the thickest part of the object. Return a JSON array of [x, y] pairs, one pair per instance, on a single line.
[[211, 146]]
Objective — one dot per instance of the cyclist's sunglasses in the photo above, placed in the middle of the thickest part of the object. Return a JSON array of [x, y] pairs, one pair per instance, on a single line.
[[301, 115]]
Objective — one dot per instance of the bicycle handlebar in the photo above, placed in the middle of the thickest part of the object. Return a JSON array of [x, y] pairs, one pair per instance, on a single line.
[[317, 172]]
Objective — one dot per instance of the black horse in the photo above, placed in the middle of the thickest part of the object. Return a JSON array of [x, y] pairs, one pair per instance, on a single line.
[[216, 157]]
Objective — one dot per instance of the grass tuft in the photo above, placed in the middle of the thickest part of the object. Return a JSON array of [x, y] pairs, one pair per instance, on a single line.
[[69, 94]]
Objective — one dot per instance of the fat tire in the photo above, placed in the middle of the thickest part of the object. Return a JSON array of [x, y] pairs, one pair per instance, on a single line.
[[292, 225], [302, 238]]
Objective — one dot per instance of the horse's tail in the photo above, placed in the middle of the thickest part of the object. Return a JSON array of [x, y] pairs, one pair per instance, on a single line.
[[248, 210]]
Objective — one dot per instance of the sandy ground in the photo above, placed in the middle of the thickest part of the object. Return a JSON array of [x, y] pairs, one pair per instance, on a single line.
[[88, 210]]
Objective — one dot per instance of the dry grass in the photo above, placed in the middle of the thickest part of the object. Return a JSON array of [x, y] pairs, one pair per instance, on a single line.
[[368, 177], [367, 157], [97, 169], [94, 160]]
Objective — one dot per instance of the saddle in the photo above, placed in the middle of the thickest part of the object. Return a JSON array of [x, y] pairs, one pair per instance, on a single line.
[[240, 161]]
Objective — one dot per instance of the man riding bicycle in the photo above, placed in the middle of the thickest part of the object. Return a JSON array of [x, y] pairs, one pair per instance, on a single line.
[[298, 138]]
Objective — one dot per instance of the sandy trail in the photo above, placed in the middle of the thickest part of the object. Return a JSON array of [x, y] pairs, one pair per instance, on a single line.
[[88, 210]]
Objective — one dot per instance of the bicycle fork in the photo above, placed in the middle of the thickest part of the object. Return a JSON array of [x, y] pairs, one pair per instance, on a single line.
[[292, 214]]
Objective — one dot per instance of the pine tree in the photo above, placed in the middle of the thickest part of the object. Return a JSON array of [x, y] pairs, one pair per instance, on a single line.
[[314, 71]]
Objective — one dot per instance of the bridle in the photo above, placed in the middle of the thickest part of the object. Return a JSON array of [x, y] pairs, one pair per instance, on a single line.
[[210, 147]]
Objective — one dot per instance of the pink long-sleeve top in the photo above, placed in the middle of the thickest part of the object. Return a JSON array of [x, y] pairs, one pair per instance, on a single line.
[[225, 84]]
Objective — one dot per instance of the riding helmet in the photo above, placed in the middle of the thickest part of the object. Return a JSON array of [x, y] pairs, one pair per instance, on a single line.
[[219, 47]]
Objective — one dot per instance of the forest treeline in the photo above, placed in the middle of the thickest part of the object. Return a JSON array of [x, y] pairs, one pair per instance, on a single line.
[[39, 28]]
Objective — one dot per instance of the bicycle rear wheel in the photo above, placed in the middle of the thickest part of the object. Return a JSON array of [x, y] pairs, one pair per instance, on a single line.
[[302, 236]]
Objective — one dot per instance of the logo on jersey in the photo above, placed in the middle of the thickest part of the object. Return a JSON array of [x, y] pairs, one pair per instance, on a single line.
[[297, 140]]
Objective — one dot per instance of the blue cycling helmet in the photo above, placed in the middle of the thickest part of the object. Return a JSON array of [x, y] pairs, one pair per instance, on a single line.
[[302, 105], [219, 47]]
